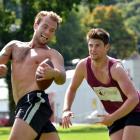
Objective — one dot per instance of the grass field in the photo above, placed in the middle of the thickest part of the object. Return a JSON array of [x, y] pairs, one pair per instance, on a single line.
[[83, 132]]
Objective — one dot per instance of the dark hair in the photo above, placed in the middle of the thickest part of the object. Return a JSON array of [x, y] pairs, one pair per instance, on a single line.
[[99, 33]]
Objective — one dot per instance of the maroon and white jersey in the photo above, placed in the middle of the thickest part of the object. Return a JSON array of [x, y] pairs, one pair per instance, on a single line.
[[110, 94]]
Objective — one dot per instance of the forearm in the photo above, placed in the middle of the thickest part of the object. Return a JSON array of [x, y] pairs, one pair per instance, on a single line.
[[69, 98], [126, 108], [59, 77]]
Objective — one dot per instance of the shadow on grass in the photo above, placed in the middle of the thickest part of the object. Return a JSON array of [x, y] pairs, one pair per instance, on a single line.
[[84, 130]]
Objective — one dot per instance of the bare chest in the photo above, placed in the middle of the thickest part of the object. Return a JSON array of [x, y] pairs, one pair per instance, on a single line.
[[29, 56]]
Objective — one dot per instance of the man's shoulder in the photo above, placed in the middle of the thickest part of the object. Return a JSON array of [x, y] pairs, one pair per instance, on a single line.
[[114, 59], [15, 43], [54, 52], [117, 66], [82, 63]]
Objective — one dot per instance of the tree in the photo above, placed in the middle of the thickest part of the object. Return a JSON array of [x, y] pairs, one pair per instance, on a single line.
[[110, 18], [71, 39], [31, 7], [131, 12], [7, 19]]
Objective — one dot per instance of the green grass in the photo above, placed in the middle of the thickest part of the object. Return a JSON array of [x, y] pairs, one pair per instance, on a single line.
[[4, 133], [89, 132], [82, 132]]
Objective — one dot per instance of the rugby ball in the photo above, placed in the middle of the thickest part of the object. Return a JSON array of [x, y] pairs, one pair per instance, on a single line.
[[44, 84]]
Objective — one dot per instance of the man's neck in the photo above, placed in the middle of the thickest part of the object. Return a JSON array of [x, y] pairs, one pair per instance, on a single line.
[[33, 44], [101, 63]]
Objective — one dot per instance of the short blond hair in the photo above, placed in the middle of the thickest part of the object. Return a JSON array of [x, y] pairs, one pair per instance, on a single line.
[[55, 17]]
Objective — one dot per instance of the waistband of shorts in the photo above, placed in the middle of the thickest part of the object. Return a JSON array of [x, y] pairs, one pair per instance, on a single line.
[[35, 91], [31, 93]]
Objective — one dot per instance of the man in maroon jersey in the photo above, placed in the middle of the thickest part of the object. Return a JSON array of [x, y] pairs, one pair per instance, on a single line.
[[109, 80]]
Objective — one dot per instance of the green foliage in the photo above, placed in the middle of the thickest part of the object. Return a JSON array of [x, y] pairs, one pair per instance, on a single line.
[[71, 39], [110, 18], [31, 7], [7, 19], [131, 12]]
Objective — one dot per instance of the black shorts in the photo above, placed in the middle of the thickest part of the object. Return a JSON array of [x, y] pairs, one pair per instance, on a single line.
[[132, 118], [34, 109]]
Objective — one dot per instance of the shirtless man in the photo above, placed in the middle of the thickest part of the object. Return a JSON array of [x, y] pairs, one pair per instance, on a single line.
[[33, 109], [107, 77]]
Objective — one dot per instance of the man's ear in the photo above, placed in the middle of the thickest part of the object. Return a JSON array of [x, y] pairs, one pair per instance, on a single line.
[[108, 47], [35, 26]]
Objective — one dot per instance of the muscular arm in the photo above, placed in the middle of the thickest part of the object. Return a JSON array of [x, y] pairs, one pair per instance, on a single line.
[[59, 70], [126, 85], [75, 83], [6, 53]]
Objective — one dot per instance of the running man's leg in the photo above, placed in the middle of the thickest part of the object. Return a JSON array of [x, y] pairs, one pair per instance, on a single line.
[[132, 128], [22, 131], [131, 133], [49, 132], [116, 129], [117, 135], [50, 136]]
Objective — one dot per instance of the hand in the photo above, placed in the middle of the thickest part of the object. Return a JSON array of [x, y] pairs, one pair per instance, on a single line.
[[106, 119], [3, 70], [66, 119], [44, 71]]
